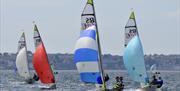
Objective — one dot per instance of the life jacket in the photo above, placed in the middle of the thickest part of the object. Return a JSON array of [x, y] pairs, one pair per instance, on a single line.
[[118, 86], [159, 83]]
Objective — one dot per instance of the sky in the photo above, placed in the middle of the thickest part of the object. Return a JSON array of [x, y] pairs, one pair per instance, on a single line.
[[58, 21]]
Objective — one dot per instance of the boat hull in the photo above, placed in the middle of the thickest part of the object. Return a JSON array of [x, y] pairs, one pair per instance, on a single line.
[[149, 88], [30, 81], [49, 86]]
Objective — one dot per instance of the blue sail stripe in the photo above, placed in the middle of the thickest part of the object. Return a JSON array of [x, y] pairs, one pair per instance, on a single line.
[[85, 54], [88, 33], [91, 77]]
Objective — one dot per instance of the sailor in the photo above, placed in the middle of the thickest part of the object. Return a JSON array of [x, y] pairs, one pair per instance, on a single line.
[[157, 74], [121, 83], [159, 82], [117, 79], [154, 80], [106, 77], [35, 77], [119, 86]]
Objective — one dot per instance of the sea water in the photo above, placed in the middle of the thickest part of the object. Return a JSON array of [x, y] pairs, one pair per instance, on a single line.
[[68, 80]]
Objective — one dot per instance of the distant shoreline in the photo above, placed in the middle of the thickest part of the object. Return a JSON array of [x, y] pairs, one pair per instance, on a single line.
[[110, 62]]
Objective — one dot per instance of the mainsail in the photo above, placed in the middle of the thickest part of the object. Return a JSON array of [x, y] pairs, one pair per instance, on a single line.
[[21, 59], [88, 15], [88, 18], [133, 54], [40, 60], [130, 29], [86, 56]]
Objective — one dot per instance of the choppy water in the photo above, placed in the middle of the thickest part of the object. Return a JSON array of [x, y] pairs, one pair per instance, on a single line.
[[68, 80]]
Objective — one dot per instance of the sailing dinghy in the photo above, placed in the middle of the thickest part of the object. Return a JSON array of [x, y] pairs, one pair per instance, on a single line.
[[41, 63], [88, 22], [134, 57], [22, 61]]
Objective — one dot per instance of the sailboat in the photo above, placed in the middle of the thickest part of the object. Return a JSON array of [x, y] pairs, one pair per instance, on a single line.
[[41, 63], [22, 61], [134, 57], [89, 39]]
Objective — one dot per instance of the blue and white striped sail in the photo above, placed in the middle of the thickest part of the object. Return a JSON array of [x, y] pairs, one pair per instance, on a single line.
[[133, 55], [86, 56]]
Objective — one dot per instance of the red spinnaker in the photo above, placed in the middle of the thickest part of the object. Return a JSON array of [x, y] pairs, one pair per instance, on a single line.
[[41, 65]]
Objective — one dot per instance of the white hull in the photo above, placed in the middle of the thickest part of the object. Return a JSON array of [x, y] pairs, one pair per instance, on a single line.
[[149, 88], [48, 86]]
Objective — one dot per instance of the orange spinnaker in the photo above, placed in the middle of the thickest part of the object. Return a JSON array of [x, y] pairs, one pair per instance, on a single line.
[[41, 65]]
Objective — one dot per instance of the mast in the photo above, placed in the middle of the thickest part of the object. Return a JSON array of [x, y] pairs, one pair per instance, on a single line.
[[99, 48]]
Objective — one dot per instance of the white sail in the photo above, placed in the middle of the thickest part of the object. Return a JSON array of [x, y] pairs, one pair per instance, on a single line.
[[37, 38], [22, 64], [130, 29], [21, 59], [88, 15], [153, 69]]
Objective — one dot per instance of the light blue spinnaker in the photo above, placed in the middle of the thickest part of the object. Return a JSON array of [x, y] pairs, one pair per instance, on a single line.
[[86, 57], [133, 54], [134, 60]]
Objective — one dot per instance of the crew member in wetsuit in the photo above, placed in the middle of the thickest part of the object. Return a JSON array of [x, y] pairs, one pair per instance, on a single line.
[[119, 86], [154, 80], [159, 82], [106, 77], [35, 77]]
